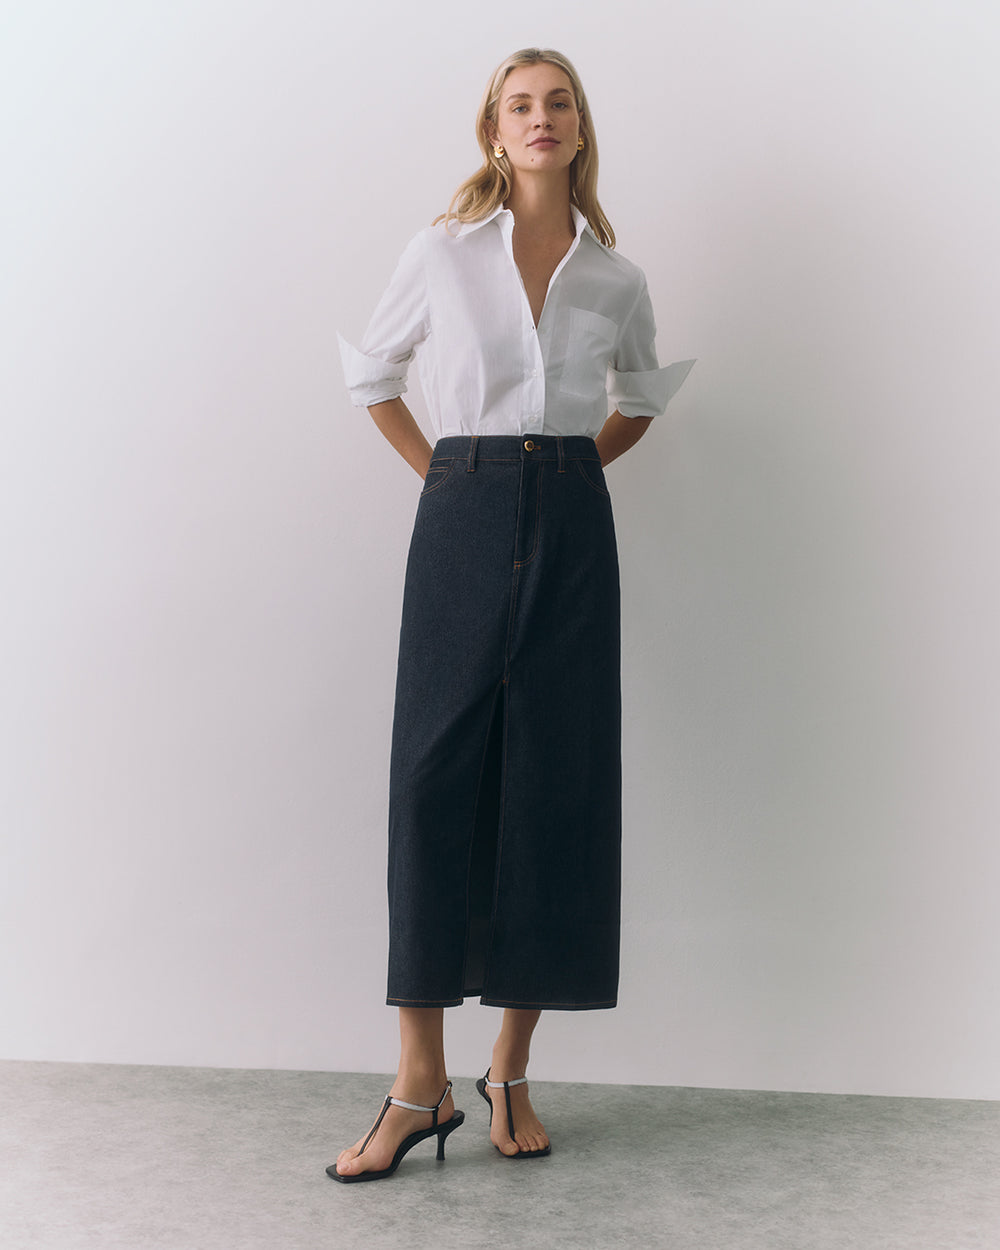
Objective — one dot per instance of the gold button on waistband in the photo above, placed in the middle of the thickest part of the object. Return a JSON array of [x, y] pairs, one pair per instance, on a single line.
[[529, 445]]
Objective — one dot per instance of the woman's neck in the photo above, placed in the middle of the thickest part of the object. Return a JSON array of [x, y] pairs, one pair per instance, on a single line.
[[541, 206]]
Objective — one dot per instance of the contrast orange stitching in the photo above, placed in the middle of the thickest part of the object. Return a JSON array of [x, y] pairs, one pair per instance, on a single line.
[[519, 564], [527, 1006], [391, 1000], [444, 471], [605, 494]]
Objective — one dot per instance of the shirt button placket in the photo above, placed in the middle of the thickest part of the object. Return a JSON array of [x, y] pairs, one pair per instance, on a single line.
[[534, 388]]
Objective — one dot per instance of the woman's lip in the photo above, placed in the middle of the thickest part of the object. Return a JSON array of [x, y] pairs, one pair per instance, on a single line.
[[543, 143]]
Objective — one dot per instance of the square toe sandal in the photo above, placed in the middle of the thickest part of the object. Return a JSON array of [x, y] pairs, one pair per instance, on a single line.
[[481, 1085], [440, 1131]]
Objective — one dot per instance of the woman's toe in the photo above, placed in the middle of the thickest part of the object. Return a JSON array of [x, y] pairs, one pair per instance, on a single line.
[[346, 1161]]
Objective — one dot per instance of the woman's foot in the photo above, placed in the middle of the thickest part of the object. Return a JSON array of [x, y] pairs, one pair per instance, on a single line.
[[529, 1132], [397, 1125]]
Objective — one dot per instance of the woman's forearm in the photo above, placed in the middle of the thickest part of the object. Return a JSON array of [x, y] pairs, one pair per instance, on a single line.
[[396, 422], [618, 434]]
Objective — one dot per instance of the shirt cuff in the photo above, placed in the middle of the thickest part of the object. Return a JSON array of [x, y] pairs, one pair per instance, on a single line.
[[647, 394], [370, 380]]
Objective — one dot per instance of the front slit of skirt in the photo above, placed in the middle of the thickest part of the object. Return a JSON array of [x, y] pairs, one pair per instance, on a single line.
[[483, 856]]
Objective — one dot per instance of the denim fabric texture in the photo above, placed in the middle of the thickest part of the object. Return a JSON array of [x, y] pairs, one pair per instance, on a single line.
[[505, 782]]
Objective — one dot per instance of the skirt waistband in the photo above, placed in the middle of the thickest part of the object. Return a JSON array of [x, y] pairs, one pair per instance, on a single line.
[[476, 447]]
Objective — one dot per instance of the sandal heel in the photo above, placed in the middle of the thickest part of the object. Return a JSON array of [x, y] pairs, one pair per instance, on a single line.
[[442, 1138]]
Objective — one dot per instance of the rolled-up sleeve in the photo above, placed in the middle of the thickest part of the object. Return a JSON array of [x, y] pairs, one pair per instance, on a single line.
[[377, 372], [637, 386]]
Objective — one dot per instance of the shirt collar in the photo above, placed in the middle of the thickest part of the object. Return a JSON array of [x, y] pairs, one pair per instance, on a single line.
[[580, 222]]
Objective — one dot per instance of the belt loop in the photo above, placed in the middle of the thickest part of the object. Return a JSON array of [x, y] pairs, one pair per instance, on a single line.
[[562, 454], [473, 443]]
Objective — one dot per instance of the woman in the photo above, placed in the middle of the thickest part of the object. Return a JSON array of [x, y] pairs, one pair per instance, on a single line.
[[504, 812]]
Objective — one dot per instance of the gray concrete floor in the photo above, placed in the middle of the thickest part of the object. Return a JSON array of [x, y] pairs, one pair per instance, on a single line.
[[151, 1158]]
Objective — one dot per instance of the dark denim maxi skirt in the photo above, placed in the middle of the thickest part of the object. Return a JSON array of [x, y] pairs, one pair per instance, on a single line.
[[505, 785]]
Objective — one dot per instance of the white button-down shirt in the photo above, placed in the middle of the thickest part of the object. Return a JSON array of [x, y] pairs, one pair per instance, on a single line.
[[458, 305]]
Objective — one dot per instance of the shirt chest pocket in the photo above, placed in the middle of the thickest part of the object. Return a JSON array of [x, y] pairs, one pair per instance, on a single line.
[[591, 341]]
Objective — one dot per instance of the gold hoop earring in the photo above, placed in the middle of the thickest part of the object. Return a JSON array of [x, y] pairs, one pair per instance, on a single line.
[[498, 151], [580, 144]]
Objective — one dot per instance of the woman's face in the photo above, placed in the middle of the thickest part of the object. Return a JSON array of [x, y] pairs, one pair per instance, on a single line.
[[537, 119]]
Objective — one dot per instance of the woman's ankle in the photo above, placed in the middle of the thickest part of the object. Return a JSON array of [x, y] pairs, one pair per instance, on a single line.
[[420, 1083], [508, 1064]]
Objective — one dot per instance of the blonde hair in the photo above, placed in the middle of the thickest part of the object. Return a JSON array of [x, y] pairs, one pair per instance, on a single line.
[[490, 185]]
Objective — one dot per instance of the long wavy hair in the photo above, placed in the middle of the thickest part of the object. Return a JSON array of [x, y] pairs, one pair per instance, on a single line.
[[491, 185]]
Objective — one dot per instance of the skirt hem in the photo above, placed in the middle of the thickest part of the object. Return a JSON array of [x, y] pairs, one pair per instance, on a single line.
[[605, 1005]]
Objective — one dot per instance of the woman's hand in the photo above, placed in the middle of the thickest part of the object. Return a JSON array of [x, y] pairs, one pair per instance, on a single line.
[[618, 434], [396, 422]]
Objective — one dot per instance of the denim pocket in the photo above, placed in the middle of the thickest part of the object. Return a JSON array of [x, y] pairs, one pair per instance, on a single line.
[[437, 475], [593, 474]]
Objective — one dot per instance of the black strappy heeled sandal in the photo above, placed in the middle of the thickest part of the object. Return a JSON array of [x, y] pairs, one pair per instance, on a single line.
[[481, 1085], [441, 1131]]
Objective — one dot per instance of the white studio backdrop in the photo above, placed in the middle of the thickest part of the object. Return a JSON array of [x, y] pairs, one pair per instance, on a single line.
[[203, 543]]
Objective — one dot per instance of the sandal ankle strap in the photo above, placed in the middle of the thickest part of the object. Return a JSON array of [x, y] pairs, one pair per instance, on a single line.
[[521, 1080], [412, 1106]]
